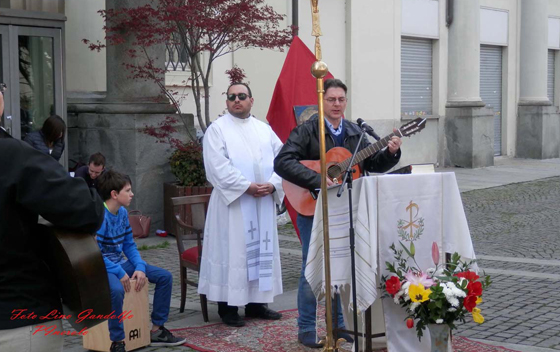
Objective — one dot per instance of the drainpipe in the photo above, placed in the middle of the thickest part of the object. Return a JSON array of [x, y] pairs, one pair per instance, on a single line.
[[449, 13], [295, 17]]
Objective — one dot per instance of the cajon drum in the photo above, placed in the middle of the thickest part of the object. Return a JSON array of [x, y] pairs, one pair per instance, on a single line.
[[136, 329]]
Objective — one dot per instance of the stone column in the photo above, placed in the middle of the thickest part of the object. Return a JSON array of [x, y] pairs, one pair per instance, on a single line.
[[112, 124], [120, 88], [538, 124], [464, 55], [469, 127], [533, 52]]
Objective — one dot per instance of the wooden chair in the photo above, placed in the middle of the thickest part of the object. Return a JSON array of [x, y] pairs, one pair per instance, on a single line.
[[190, 215]]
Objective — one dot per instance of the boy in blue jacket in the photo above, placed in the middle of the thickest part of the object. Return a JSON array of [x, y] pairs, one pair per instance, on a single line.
[[115, 241]]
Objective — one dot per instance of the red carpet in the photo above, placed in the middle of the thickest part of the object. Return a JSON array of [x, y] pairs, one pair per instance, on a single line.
[[278, 336]]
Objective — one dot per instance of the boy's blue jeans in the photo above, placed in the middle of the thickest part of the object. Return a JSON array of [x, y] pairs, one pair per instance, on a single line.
[[307, 304], [162, 297]]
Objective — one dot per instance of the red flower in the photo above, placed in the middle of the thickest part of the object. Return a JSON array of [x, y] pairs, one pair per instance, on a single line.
[[393, 285], [474, 288], [469, 275], [410, 323], [470, 302]]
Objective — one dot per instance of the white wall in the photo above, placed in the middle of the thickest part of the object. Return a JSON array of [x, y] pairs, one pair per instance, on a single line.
[[85, 69], [333, 27], [373, 59]]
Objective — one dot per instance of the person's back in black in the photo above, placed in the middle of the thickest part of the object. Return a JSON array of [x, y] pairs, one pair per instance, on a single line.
[[33, 184]]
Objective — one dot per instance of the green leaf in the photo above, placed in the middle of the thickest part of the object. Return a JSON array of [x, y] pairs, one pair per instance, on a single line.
[[406, 249]]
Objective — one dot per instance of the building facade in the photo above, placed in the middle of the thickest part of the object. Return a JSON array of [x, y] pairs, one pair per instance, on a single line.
[[485, 74]]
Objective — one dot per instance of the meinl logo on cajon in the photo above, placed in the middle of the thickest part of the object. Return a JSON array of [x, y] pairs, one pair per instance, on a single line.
[[135, 324], [134, 334]]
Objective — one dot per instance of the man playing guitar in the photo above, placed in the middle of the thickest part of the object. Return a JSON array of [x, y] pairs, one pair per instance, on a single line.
[[303, 144]]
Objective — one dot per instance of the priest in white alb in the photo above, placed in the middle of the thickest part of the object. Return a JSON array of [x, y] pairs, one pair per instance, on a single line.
[[240, 262]]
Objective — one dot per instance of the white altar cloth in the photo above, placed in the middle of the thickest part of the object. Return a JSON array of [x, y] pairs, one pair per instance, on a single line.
[[431, 202]]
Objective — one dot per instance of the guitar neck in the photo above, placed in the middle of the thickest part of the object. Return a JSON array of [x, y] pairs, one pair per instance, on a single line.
[[369, 151]]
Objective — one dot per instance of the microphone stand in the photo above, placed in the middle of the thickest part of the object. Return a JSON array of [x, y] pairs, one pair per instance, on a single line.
[[348, 181]]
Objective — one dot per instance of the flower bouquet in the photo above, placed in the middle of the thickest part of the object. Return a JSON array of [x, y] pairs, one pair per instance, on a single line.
[[440, 295]]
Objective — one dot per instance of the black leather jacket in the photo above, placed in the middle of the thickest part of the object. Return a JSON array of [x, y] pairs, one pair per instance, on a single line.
[[303, 144], [32, 183]]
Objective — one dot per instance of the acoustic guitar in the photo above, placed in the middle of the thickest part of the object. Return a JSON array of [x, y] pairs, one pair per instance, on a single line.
[[81, 277], [338, 159]]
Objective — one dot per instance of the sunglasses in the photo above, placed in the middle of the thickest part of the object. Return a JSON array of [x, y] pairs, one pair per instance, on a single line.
[[241, 96]]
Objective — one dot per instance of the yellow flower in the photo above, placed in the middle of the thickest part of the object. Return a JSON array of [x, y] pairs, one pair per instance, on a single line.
[[478, 300], [477, 317], [418, 293]]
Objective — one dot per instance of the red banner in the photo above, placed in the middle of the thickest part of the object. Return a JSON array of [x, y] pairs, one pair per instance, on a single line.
[[295, 86]]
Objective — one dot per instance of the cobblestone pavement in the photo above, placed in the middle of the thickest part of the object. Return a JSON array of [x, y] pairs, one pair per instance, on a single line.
[[516, 232], [518, 227], [167, 258]]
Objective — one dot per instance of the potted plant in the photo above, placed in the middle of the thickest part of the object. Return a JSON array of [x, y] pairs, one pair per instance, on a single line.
[[436, 298], [187, 165]]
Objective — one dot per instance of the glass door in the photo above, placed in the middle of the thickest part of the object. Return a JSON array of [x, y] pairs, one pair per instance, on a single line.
[[36, 55], [6, 118]]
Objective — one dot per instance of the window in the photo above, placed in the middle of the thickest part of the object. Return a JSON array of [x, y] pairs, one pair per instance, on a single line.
[[176, 57], [550, 77], [491, 88]]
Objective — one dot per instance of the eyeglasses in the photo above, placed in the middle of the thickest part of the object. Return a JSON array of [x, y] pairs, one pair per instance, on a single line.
[[334, 100], [241, 96]]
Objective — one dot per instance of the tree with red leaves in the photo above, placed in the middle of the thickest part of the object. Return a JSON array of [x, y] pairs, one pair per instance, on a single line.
[[210, 27]]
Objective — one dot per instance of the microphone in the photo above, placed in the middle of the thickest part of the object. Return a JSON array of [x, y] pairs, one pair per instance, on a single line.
[[368, 129]]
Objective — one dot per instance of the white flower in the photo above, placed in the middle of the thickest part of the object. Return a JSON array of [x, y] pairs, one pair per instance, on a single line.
[[452, 310], [457, 292], [404, 288], [453, 301], [398, 295], [413, 306], [439, 321]]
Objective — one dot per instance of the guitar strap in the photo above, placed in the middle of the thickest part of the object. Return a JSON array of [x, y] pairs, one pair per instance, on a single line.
[[4, 133]]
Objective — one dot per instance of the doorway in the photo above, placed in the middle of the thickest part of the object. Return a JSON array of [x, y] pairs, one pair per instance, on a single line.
[[31, 60]]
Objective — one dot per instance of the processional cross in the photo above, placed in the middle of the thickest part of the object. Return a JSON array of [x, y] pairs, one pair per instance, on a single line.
[[319, 70]]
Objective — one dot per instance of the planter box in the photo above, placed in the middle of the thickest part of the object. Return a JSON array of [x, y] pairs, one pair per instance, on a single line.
[[171, 190]]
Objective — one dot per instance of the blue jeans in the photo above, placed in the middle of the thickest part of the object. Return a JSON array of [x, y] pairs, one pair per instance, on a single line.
[[307, 303], [162, 297]]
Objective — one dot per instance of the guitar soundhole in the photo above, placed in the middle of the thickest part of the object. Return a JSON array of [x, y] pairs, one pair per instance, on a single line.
[[334, 171]]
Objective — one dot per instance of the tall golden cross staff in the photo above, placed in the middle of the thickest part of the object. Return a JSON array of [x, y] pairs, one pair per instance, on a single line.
[[319, 70]]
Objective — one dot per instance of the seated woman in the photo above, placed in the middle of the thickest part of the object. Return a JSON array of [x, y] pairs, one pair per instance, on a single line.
[[50, 139]]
